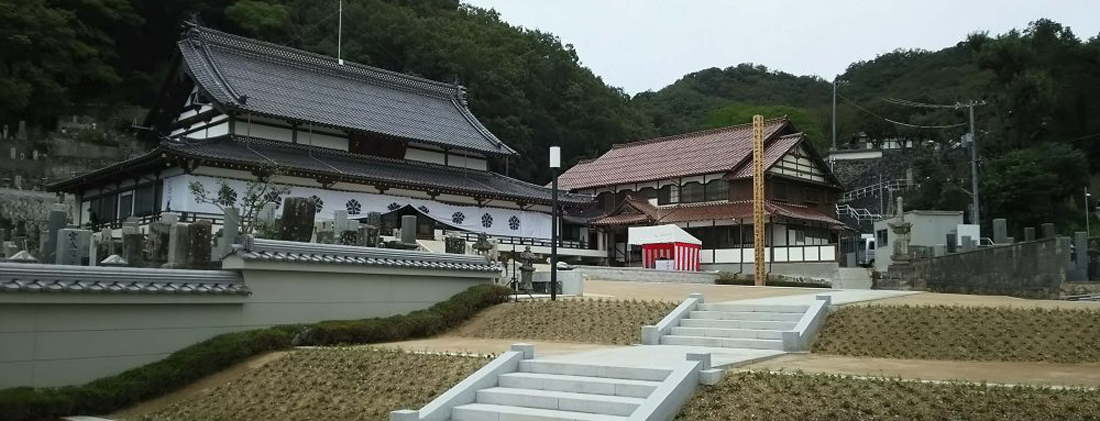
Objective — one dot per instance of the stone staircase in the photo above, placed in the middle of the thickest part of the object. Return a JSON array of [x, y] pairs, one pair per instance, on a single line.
[[546, 390], [730, 325], [516, 387]]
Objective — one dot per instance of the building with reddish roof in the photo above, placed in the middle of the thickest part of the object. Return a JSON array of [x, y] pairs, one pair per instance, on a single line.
[[702, 181]]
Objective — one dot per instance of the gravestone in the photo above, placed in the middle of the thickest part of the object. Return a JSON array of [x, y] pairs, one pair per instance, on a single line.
[[939, 250], [198, 245], [10, 249], [369, 229], [178, 246], [1081, 247], [58, 219], [156, 254], [73, 246], [967, 243], [1029, 234], [325, 232], [455, 245], [297, 221], [169, 217], [133, 249], [1011, 240], [104, 246], [408, 229], [340, 220], [231, 229], [952, 242], [350, 238], [1047, 230], [131, 226], [1000, 231]]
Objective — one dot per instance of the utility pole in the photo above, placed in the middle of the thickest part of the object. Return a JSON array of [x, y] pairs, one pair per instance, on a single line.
[[975, 214], [340, 34], [1087, 216], [832, 157]]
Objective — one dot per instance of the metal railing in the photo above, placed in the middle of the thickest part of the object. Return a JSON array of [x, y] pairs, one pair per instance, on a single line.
[[899, 184], [861, 214], [521, 241]]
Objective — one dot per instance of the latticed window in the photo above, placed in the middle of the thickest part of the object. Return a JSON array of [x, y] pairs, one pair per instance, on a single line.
[[692, 192], [717, 190], [668, 194]]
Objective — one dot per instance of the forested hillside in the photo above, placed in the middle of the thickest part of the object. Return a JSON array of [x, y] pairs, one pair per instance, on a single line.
[[1039, 127]]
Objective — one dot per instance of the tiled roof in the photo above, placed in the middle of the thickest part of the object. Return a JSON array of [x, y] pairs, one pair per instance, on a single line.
[[263, 78], [295, 252], [38, 278], [717, 211], [773, 152], [711, 151], [297, 159]]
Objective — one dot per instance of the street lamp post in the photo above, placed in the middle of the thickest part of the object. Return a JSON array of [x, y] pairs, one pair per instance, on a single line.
[[555, 163]]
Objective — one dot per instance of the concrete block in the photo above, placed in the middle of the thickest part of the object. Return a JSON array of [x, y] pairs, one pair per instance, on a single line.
[[651, 335], [711, 377], [703, 358], [528, 350], [405, 415], [828, 299], [698, 296]]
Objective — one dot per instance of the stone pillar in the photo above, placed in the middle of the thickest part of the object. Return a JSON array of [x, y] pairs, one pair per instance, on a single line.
[[133, 248], [408, 229], [1029, 234], [73, 246], [1047, 229], [297, 221], [1000, 231], [58, 220], [160, 234], [199, 245], [178, 246]]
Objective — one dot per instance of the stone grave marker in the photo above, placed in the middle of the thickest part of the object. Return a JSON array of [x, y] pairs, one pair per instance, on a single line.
[[1000, 231], [408, 229], [297, 221], [156, 252], [57, 220], [231, 229], [1047, 230], [133, 249], [1029, 234], [178, 246], [73, 246], [199, 245], [455, 245]]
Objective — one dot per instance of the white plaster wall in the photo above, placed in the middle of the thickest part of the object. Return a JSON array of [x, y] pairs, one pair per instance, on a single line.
[[66, 339]]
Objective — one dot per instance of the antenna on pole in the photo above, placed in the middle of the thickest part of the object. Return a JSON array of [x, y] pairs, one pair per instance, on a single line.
[[340, 34]]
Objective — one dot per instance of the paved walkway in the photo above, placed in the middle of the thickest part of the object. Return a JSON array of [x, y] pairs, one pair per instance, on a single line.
[[839, 296], [1041, 374], [458, 344], [664, 355], [679, 292]]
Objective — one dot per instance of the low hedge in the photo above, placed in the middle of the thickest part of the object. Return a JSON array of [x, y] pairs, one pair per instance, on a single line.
[[772, 283], [220, 352]]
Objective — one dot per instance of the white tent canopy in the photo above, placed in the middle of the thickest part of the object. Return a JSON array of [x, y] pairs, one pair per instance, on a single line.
[[660, 234]]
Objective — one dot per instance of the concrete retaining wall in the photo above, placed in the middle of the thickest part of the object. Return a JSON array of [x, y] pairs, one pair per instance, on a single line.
[[1034, 269], [60, 338]]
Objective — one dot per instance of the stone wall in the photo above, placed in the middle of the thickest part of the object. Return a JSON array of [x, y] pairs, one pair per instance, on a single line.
[[1033, 269]]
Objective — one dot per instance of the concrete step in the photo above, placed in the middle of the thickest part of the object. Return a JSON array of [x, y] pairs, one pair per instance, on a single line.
[[722, 342], [613, 372], [579, 384], [727, 333], [485, 412], [745, 315], [770, 308], [738, 324], [562, 401]]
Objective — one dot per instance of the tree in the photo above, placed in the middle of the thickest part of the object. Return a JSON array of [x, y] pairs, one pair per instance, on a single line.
[[741, 113], [243, 209], [1034, 185]]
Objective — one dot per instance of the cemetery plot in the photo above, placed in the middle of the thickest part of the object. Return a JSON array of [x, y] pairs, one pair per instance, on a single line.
[[327, 383], [574, 320], [963, 333], [782, 397]]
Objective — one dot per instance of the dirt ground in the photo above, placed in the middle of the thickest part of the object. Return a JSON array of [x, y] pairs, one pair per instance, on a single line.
[[932, 298], [680, 292], [199, 387], [1038, 374]]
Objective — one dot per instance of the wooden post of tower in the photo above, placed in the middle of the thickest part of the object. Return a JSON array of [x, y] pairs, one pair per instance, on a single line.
[[759, 277]]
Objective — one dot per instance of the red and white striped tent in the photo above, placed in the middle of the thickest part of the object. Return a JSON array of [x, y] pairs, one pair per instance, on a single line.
[[666, 242]]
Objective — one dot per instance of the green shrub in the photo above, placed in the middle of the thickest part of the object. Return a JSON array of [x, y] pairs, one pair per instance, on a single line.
[[215, 354]]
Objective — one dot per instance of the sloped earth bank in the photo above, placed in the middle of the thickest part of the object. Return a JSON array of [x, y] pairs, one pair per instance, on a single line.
[[583, 320], [325, 383], [790, 397], [962, 333]]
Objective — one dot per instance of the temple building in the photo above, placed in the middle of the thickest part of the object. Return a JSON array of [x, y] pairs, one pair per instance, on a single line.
[[702, 182], [349, 136]]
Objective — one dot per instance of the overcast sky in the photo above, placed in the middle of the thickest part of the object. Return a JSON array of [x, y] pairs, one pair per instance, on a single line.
[[641, 45]]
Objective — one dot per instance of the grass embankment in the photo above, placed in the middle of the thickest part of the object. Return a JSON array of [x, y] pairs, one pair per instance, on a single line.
[[781, 397], [335, 383], [601, 321], [963, 333]]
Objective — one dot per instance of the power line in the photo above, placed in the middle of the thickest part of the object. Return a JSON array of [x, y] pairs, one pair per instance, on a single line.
[[917, 104], [903, 124]]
